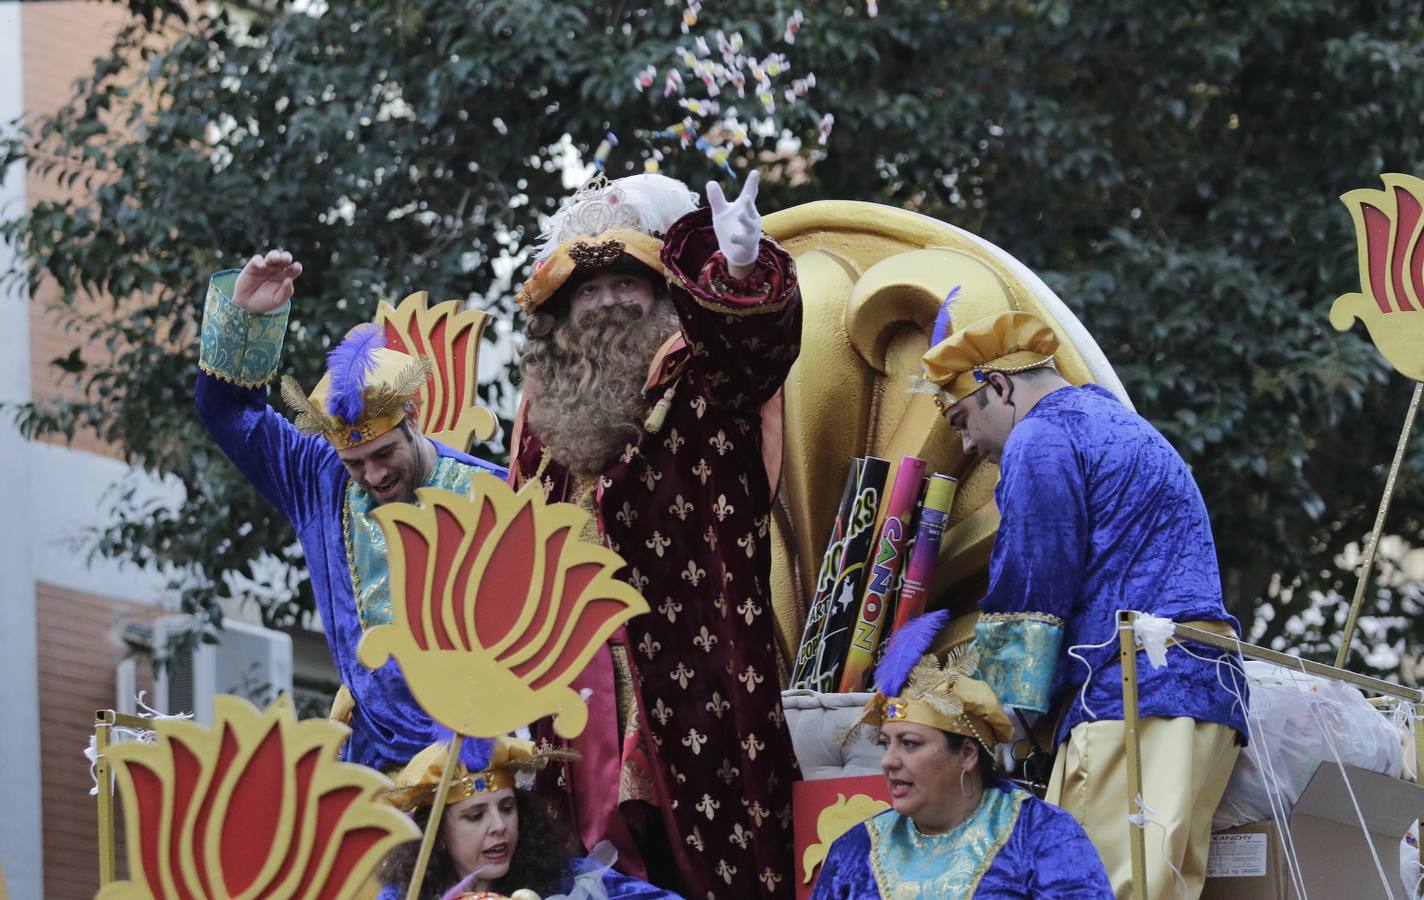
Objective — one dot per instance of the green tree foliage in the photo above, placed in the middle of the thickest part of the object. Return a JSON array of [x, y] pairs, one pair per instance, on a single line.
[[1170, 168]]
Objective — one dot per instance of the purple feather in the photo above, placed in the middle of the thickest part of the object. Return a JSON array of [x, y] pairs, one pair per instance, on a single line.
[[349, 364], [907, 645], [474, 752], [941, 322]]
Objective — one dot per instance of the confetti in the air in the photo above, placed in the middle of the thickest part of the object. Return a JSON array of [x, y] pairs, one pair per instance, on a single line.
[[605, 148], [708, 74], [793, 25], [700, 107]]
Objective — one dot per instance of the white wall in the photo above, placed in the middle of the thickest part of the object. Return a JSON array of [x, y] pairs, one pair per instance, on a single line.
[[20, 738], [69, 496]]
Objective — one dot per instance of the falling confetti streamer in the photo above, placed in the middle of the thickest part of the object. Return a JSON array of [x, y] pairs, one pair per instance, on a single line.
[[673, 85], [689, 15], [707, 74], [793, 25], [605, 148]]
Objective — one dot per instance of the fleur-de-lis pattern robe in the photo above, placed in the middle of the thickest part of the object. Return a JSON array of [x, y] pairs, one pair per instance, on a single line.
[[689, 508]]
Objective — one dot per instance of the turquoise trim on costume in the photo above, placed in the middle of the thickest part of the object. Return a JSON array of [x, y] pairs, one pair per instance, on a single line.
[[1018, 655], [366, 542], [235, 344], [910, 864]]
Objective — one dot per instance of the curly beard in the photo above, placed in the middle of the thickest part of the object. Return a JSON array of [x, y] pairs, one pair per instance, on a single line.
[[585, 380]]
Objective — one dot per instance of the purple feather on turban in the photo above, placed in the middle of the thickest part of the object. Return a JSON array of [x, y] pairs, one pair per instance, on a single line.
[[475, 752], [941, 323], [349, 364], [907, 645]]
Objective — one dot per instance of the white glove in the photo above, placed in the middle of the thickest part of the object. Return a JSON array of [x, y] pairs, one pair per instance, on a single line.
[[738, 225]]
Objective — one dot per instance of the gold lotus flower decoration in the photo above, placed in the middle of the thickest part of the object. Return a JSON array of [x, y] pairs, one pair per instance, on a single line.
[[1389, 231], [449, 338], [496, 606], [256, 806]]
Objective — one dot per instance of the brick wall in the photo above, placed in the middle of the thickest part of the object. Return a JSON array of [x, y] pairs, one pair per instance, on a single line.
[[79, 646], [60, 42]]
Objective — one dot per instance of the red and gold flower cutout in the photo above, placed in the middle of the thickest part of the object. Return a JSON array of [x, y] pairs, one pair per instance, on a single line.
[[1389, 229], [256, 806], [496, 606]]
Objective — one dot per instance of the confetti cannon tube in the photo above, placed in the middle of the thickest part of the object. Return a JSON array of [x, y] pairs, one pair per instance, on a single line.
[[919, 572], [886, 562], [848, 580], [816, 613]]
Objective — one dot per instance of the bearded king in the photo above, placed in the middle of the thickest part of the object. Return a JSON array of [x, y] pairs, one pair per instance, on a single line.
[[658, 337]]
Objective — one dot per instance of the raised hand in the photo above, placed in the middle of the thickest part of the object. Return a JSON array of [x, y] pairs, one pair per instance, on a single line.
[[266, 282], [737, 225]]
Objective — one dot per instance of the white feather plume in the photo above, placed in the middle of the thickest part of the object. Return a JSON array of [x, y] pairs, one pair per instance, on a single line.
[[658, 200]]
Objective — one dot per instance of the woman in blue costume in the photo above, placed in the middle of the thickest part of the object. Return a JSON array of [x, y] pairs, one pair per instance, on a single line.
[[954, 829], [497, 835]]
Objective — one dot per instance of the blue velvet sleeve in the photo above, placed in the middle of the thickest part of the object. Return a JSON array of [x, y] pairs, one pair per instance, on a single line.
[[238, 355], [1053, 856], [847, 873], [1036, 568], [265, 447]]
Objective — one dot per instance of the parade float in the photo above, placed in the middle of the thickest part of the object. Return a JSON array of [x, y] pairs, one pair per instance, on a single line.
[[880, 515]]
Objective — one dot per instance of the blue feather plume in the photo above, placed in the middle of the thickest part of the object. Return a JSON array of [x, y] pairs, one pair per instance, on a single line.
[[349, 363], [941, 323], [907, 645], [475, 752]]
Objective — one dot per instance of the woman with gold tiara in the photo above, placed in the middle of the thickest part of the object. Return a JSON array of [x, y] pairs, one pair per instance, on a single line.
[[498, 838], [954, 830]]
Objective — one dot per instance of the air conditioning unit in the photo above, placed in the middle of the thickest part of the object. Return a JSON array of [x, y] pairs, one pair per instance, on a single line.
[[253, 662]]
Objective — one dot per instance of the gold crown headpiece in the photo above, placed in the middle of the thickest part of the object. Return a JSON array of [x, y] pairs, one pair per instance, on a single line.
[[367, 390], [945, 697], [600, 224], [510, 758]]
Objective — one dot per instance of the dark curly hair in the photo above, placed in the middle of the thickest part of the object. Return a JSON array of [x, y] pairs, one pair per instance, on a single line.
[[988, 769], [543, 855]]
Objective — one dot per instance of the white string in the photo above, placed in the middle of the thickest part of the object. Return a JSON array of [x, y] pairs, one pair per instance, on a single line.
[[118, 733], [1083, 691], [1354, 801], [1334, 752], [148, 712], [1274, 793], [1145, 816], [1087, 682]]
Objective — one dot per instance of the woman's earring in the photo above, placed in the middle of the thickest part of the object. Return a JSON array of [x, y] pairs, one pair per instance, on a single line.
[[962, 789]]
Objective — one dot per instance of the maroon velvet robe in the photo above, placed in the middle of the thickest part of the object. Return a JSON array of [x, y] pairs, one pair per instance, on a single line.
[[689, 508]]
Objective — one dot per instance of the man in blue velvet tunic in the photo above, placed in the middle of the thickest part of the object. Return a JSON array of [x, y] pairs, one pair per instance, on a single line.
[[1099, 514], [356, 444]]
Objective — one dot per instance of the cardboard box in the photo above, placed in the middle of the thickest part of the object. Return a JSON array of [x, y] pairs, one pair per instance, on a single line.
[[1333, 851], [823, 810]]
